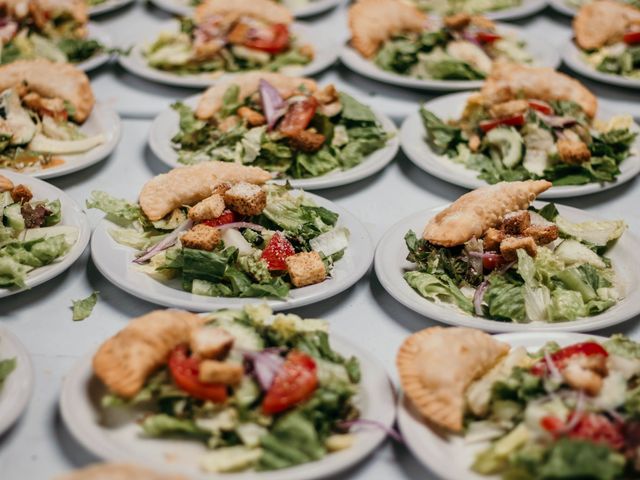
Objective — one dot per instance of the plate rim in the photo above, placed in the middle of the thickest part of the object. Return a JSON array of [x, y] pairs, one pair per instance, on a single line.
[[108, 6], [25, 381]]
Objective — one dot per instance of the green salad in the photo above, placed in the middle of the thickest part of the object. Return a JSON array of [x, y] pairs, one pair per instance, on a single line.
[[312, 134], [281, 396], [579, 3], [618, 59], [532, 139], [31, 236], [536, 266], [448, 7]]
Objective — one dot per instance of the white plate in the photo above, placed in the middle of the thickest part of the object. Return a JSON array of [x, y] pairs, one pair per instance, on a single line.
[[108, 6], [17, 388], [103, 119], [184, 8], [572, 56], [527, 8], [115, 262], [415, 146], [448, 455], [166, 125], [542, 52], [99, 33], [325, 54], [562, 7], [80, 408], [391, 263], [72, 215]]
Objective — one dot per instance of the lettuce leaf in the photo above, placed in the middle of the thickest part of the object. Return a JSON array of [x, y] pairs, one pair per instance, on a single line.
[[442, 136], [7, 366], [505, 298], [119, 211], [163, 425], [13, 273], [438, 288], [83, 308]]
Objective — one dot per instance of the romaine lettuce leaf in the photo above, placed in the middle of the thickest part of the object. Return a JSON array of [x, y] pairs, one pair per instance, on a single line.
[[12, 272], [599, 232], [438, 288], [163, 425], [7, 366], [119, 211], [83, 308]]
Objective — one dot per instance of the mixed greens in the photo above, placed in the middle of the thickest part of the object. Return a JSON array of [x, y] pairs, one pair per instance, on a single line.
[[7, 366], [579, 3], [532, 139], [621, 58], [332, 136], [290, 401], [559, 412], [449, 7], [537, 266]]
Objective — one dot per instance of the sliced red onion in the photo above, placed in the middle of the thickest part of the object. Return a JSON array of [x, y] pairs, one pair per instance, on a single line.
[[273, 105], [471, 38], [478, 296], [266, 365], [576, 415], [372, 423], [553, 370], [505, 267], [616, 416], [556, 121], [163, 244], [252, 226]]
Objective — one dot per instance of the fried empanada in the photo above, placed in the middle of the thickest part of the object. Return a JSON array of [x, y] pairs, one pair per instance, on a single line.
[[436, 365], [477, 211], [212, 100], [51, 80], [509, 81], [117, 471], [265, 10], [603, 22], [43, 11], [124, 361], [188, 185], [374, 21]]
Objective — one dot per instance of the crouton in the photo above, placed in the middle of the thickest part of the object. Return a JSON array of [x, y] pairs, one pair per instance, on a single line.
[[542, 235], [492, 239], [509, 109], [306, 268], [211, 342], [573, 152], [210, 207], [246, 198], [514, 223], [306, 50], [326, 95], [457, 21], [227, 373], [253, 118], [307, 141], [6, 185], [474, 143], [239, 33], [201, 237], [21, 193], [511, 245]]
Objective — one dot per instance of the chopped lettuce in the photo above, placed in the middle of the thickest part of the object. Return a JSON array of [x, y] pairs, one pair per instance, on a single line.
[[7, 366], [438, 288], [119, 211], [83, 308], [599, 233]]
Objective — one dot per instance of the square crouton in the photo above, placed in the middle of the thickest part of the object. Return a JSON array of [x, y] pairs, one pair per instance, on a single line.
[[542, 235], [306, 268], [211, 342], [210, 207], [492, 239], [253, 118], [227, 373], [307, 141], [246, 198], [514, 223], [511, 245], [201, 237]]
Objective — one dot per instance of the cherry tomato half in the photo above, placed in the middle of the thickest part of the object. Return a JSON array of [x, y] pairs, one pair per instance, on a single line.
[[561, 356], [541, 106], [631, 38], [298, 116], [277, 251], [294, 383], [515, 121], [184, 371], [271, 40], [487, 37], [227, 217]]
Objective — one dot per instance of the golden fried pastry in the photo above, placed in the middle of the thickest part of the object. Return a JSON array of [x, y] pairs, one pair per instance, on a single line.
[[211, 101], [51, 80], [374, 21], [117, 471], [436, 365], [603, 22], [43, 11], [124, 361], [509, 81], [265, 10], [477, 211]]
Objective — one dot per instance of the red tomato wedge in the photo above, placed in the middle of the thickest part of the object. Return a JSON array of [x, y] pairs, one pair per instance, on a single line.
[[631, 38], [561, 356], [590, 426], [487, 37], [298, 116], [184, 371], [541, 106], [294, 383], [515, 121], [227, 217], [491, 261], [271, 40], [277, 251], [552, 424]]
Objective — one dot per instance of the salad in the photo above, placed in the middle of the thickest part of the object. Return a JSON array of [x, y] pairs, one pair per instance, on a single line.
[[261, 392], [527, 266], [42, 107], [45, 29], [285, 125], [31, 236], [521, 135], [7, 365], [607, 33], [227, 238], [560, 411], [448, 7], [577, 4], [230, 37]]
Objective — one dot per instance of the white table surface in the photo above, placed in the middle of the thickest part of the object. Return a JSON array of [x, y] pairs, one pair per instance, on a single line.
[[39, 446]]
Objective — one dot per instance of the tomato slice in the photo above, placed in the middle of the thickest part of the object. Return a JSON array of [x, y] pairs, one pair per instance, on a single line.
[[491, 261], [274, 39], [552, 424], [277, 251], [631, 38], [294, 383], [599, 429], [561, 357], [541, 106], [487, 37], [184, 371], [515, 121], [298, 116], [227, 216]]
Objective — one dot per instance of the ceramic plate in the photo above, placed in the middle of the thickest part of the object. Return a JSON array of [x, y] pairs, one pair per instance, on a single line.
[[81, 411], [108, 6], [17, 388], [72, 215], [325, 54], [165, 126], [115, 262], [414, 145], [563, 7], [543, 53], [99, 33], [525, 9], [391, 263], [448, 455], [312, 7]]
